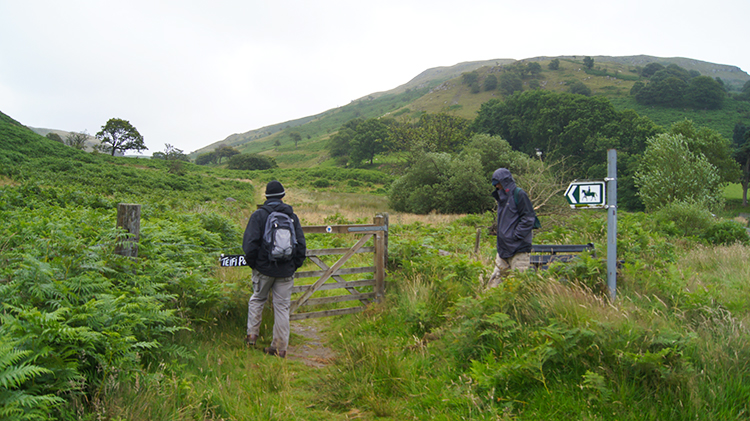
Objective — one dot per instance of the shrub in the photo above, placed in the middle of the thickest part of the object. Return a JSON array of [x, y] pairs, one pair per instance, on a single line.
[[670, 172], [443, 183], [727, 232], [683, 219], [251, 161]]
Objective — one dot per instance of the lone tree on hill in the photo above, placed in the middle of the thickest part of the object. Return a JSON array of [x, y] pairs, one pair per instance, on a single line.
[[225, 151], [119, 134], [77, 139], [296, 137], [588, 62]]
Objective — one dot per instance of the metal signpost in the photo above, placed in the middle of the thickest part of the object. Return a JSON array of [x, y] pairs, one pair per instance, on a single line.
[[601, 195], [612, 222]]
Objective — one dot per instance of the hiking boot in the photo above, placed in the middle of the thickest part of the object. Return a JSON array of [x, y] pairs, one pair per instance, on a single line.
[[251, 339], [274, 351]]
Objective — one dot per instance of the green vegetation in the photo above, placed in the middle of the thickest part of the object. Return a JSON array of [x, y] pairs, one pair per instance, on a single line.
[[251, 161], [87, 334], [673, 86]]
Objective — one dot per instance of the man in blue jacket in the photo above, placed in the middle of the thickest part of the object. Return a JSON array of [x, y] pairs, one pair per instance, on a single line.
[[269, 275], [515, 220]]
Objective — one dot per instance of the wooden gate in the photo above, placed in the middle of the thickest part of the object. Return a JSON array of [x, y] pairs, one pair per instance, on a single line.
[[377, 231]]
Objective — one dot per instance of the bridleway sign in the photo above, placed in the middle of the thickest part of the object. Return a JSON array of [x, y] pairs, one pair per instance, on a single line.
[[586, 194]]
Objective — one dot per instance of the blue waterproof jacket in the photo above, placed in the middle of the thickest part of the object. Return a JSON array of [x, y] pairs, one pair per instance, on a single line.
[[514, 221], [252, 242]]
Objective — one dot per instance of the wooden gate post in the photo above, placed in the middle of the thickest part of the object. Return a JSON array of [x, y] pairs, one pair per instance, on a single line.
[[129, 218], [381, 255]]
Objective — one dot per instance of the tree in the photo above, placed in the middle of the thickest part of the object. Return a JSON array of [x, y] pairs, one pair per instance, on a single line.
[[510, 83], [650, 69], [534, 68], [206, 158], [171, 154], [296, 137], [541, 180], [120, 135], [371, 138], [339, 145], [744, 94], [580, 88], [250, 162], [637, 86], [741, 143], [225, 151], [671, 173], [54, 136], [490, 83], [77, 140], [470, 77], [676, 71], [554, 64], [441, 132], [588, 62], [566, 125], [667, 90], [441, 182], [712, 145], [705, 93]]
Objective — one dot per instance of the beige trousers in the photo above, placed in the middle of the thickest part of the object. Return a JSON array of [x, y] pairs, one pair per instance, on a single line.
[[518, 261], [282, 293]]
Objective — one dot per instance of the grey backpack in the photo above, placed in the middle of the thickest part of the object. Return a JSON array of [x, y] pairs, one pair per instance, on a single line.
[[279, 237]]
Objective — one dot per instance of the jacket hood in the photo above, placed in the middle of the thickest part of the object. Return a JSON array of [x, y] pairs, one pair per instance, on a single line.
[[505, 178], [279, 206]]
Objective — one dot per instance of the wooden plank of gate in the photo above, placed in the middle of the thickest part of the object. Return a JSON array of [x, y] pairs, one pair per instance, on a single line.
[[342, 271], [337, 285], [325, 313], [338, 278], [335, 229], [340, 299], [328, 273]]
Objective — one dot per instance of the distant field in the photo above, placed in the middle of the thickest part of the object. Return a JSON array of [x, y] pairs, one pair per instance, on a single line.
[[733, 191]]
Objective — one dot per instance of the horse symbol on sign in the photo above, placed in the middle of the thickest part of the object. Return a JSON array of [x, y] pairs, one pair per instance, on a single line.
[[589, 194]]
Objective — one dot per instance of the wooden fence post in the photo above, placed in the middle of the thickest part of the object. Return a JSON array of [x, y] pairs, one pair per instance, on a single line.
[[381, 255], [129, 218]]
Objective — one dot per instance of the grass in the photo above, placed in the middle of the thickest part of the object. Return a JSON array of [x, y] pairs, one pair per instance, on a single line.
[[543, 345], [733, 192], [440, 347]]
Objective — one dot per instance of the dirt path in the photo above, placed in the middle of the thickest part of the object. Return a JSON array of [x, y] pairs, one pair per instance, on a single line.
[[311, 349]]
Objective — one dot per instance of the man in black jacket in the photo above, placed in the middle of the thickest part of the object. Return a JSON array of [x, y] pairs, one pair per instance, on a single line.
[[515, 220], [269, 275]]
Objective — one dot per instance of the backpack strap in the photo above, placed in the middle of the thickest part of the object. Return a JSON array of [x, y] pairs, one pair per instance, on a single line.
[[537, 222]]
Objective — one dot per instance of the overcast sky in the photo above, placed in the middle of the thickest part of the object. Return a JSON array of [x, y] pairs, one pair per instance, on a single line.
[[190, 73]]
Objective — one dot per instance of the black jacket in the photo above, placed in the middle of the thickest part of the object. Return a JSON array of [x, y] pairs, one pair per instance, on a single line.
[[514, 221], [257, 255]]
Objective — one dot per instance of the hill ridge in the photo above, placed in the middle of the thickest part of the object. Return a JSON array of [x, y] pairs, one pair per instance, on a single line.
[[732, 75]]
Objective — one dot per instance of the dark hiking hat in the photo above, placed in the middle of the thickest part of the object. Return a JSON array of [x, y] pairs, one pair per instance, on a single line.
[[275, 190]]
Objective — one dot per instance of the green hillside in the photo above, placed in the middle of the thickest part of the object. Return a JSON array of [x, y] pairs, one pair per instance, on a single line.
[[441, 90]]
